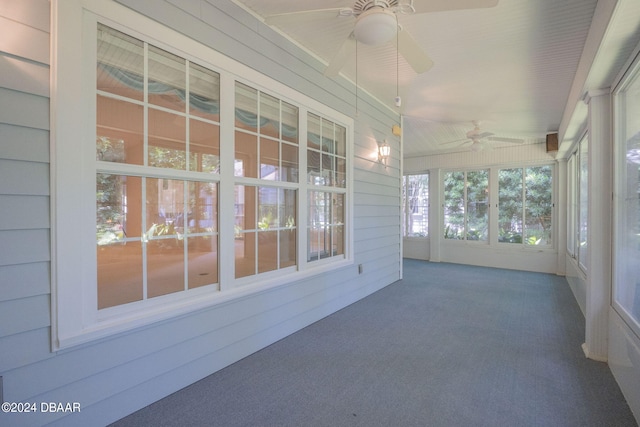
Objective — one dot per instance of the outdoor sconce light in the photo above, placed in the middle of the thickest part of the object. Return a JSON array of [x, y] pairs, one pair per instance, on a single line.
[[384, 150]]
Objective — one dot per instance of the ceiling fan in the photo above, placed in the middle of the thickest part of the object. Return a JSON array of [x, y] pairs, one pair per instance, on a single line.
[[376, 22], [478, 138]]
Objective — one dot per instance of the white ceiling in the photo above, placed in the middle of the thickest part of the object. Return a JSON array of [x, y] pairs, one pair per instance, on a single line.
[[512, 66]]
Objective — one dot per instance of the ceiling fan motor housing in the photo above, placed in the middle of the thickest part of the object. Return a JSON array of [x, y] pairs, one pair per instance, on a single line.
[[375, 26]]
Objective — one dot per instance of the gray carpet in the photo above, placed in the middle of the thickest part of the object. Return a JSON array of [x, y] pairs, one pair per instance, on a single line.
[[449, 345]]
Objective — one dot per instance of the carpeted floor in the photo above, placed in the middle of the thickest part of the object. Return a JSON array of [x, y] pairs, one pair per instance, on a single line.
[[449, 345]]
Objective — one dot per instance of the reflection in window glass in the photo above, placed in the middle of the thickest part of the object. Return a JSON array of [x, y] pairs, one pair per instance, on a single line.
[[143, 253], [583, 207], [271, 124], [627, 200], [265, 229]]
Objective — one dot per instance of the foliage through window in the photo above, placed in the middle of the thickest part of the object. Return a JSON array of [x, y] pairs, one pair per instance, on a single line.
[[415, 205], [466, 205], [525, 205]]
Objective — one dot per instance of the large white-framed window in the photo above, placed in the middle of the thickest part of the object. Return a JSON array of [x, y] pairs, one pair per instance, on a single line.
[[626, 204], [578, 202], [178, 177], [415, 205], [466, 205], [525, 205]]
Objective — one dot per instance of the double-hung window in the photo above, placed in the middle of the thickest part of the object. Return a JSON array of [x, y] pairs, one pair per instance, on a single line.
[[181, 175]]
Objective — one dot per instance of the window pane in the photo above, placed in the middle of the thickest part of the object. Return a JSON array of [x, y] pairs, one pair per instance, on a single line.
[[118, 232], [267, 251], [167, 140], [246, 153], [203, 209], [204, 147], [510, 206], [119, 131], [120, 64], [289, 171], [165, 266], [313, 131], [289, 122], [269, 115], [246, 107], [245, 254], [478, 205], [313, 167], [539, 203], [627, 218], [583, 207], [167, 75], [454, 205], [269, 159], [204, 93], [119, 273], [202, 261], [165, 207]]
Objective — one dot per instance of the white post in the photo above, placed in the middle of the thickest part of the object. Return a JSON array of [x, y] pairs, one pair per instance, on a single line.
[[599, 225]]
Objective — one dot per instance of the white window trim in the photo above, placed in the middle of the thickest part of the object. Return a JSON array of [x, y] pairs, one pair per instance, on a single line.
[[492, 242], [75, 319], [619, 187]]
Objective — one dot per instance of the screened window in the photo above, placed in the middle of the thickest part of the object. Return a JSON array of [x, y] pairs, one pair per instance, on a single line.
[[466, 205], [525, 205], [415, 205], [626, 278]]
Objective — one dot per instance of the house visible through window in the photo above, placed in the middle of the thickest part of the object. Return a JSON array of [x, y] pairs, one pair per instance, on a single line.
[[415, 205]]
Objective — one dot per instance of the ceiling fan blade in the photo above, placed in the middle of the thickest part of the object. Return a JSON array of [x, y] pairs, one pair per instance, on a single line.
[[426, 6], [413, 53], [484, 135], [511, 140], [341, 57], [456, 141], [296, 17]]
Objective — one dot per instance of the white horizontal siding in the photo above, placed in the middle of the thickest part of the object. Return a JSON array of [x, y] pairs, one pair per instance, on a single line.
[[24, 314], [24, 76], [23, 212], [24, 246], [26, 178], [23, 40], [21, 143], [33, 13], [22, 109], [24, 280], [25, 349]]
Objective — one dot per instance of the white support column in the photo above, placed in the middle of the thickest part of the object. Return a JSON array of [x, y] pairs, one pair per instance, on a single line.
[[599, 225], [560, 212], [435, 214]]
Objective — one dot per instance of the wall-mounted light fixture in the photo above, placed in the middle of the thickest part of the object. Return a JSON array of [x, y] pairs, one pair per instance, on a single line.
[[384, 150]]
